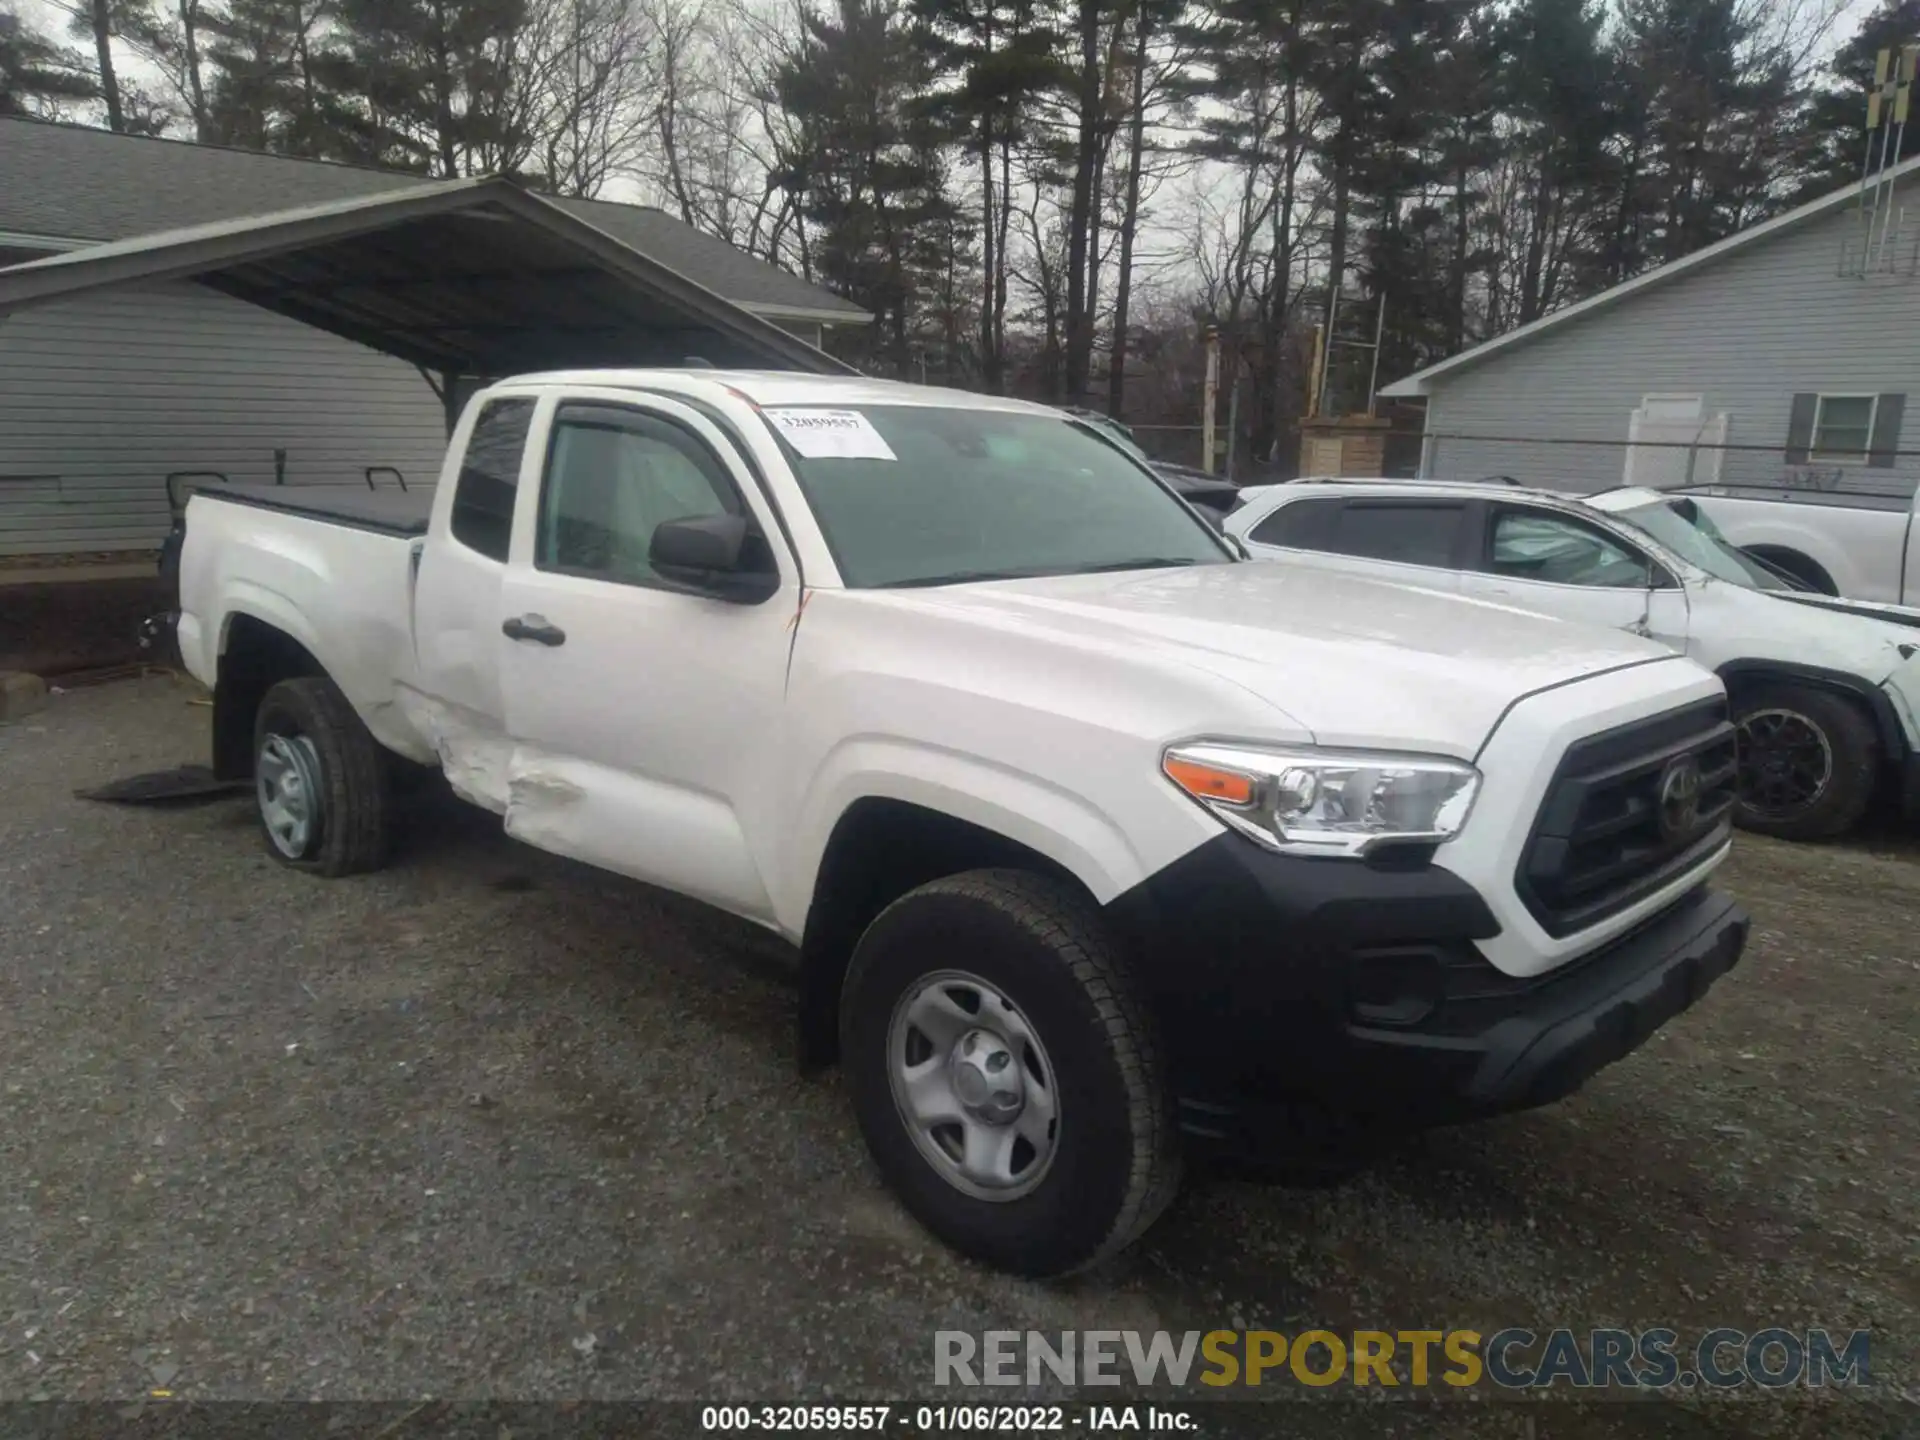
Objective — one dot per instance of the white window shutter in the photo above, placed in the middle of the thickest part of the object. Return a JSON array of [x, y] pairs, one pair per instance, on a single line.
[[1658, 436]]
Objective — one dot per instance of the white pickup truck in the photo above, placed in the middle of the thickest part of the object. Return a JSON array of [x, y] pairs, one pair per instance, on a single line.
[[1096, 839], [1859, 546]]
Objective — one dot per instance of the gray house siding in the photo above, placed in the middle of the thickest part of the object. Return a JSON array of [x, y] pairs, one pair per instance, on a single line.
[[102, 396], [1744, 332]]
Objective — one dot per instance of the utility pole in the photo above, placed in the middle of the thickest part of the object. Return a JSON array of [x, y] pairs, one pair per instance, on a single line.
[[1210, 337], [1313, 372], [1233, 420]]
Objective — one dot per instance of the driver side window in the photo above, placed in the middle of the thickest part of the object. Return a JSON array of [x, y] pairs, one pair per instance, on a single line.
[[1559, 550], [611, 481]]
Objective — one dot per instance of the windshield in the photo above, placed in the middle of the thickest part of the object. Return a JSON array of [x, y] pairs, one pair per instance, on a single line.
[[1697, 541], [924, 495]]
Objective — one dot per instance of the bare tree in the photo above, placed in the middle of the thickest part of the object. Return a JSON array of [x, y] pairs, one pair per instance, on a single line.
[[597, 73]]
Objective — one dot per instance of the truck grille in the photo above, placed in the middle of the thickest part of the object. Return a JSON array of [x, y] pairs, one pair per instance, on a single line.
[[1627, 812]]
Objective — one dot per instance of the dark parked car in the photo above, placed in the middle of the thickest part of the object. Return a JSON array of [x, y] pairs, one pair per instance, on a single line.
[[1215, 496]]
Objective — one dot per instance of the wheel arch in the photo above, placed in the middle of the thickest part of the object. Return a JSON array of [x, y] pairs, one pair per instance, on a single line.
[[879, 848], [1742, 676], [255, 654]]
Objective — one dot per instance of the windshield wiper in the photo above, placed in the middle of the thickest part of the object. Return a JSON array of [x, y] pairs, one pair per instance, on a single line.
[[1139, 562], [967, 577], [960, 577]]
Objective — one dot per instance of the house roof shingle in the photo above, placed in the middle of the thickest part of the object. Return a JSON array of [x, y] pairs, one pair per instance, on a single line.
[[69, 182]]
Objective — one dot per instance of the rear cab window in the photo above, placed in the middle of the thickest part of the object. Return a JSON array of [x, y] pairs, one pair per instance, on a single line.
[[1404, 532], [1298, 525]]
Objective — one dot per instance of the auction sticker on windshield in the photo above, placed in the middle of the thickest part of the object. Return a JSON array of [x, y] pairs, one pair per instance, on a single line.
[[830, 434]]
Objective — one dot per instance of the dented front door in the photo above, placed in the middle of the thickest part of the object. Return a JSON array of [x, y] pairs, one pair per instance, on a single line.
[[645, 719]]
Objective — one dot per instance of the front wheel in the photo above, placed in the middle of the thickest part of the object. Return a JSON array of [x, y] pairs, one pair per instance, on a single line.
[[319, 779], [1808, 762], [1005, 1076]]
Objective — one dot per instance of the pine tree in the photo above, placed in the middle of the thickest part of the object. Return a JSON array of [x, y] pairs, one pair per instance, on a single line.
[[1704, 104], [869, 169], [438, 86], [271, 61], [1557, 157], [38, 77], [996, 58]]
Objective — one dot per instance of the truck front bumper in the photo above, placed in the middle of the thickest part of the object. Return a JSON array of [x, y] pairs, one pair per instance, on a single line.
[[1323, 993]]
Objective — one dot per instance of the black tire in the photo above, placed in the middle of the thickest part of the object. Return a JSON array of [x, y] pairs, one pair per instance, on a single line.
[[1852, 767], [350, 832], [1116, 1161]]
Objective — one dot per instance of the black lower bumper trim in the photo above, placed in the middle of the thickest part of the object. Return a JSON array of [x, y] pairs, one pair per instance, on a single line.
[[1310, 997], [1565, 1029]]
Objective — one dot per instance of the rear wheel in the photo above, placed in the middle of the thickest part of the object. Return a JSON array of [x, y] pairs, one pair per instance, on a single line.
[[1808, 762], [1004, 1074], [320, 780]]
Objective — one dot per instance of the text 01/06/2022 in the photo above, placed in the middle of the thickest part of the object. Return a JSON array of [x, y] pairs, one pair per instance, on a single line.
[[932, 1419]]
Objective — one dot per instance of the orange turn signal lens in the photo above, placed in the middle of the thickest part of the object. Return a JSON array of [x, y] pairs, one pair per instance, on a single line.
[[1208, 782]]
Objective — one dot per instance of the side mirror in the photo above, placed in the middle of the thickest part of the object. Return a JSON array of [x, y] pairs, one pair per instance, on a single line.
[[715, 555]]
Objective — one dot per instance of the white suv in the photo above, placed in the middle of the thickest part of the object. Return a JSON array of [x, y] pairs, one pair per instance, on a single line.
[[1825, 699]]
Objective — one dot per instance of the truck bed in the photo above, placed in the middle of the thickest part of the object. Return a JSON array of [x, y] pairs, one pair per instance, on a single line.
[[1832, 499], [386, 512]]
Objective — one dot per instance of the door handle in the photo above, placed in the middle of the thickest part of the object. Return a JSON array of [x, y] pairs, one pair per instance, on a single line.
[[534, 628]]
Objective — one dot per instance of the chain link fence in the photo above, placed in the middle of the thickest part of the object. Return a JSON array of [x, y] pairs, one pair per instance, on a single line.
[[1584, 465]]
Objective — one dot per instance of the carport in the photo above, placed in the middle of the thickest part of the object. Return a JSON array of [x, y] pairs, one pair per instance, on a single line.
[[469, 280]]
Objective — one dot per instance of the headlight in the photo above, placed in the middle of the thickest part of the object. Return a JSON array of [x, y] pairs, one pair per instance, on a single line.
[[1320, 802]]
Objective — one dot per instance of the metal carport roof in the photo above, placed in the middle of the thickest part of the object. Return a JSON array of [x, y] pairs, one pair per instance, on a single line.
[[470, 278]]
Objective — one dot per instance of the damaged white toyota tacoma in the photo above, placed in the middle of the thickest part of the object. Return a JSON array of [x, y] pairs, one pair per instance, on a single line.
[[1098, 841]]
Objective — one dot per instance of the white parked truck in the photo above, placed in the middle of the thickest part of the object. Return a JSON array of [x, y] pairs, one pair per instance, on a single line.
[[1096, 839], [1858, 546]]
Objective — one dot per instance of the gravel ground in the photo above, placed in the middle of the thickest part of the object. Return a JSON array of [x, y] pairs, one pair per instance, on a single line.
[[492, 1125]]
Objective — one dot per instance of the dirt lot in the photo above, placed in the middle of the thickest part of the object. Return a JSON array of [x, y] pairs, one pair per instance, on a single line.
[[491, 1125]]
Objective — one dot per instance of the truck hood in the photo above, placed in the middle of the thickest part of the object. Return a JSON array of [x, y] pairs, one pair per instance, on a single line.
[[1351, 661]]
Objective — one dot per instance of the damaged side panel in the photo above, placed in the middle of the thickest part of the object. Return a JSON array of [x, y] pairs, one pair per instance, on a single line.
[[474, 752], [635, 826]]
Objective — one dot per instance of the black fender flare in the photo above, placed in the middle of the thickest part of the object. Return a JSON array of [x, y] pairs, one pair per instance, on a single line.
[[1886, 721]]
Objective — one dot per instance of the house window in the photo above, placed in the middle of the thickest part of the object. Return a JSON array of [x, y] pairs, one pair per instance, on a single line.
[[1843, 427]]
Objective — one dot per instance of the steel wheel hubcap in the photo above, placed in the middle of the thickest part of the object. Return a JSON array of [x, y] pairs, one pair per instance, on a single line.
[[1785, 761], [973, 1085], [287, 780]]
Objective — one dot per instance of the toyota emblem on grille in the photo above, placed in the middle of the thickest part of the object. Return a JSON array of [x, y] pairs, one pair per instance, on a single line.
[[1679, 796]]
